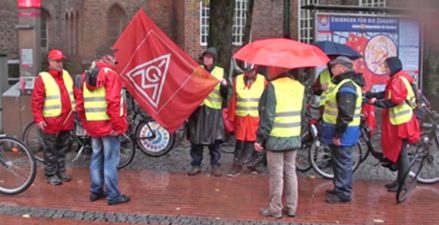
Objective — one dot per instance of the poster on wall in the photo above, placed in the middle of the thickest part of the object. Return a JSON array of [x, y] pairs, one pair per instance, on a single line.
[[376, 37]]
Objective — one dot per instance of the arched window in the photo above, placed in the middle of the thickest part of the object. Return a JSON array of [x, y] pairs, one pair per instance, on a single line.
[[115, 23], [44, 29]]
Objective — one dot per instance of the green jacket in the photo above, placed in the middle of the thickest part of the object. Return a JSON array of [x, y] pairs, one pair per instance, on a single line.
[[267, 111]]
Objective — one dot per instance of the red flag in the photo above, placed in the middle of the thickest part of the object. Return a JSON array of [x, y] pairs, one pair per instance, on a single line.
[[166, 82]]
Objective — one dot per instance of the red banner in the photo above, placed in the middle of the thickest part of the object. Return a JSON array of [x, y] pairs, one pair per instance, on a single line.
[[167, 83]]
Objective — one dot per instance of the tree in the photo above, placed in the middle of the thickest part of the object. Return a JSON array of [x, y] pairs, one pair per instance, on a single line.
[[220, 30]]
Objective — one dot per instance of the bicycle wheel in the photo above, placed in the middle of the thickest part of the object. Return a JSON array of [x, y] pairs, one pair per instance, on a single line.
[[17, 166], [302, 158], [320, 157], [33, 139], [408, 183], [430, 172], [153, 140], [127, 151]]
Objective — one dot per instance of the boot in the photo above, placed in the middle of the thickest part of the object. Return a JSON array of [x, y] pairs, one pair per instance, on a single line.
[[215, 171], [195, 170]]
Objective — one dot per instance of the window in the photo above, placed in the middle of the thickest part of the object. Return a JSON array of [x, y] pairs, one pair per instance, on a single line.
[[115, 23], [373, 3], [239, 21], [45, 18], [204, 23], [306, 21], [72, 32]]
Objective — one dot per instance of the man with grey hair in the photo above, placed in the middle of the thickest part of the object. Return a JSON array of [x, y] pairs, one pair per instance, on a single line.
[[341, 125]]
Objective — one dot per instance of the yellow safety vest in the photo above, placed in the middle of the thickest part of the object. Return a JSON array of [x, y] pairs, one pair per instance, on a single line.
[[331, 108], [403, 113], [289, 100], [325, 78], [95, 103], [247, 99], [52, 102], [214, 99]]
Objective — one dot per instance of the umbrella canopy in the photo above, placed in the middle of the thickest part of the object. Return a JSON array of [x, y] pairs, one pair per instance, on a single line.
[[281, 52], [336, 49]]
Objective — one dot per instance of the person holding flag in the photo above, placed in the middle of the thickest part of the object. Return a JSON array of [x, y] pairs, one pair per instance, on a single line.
[[52, 105], [205, 125]]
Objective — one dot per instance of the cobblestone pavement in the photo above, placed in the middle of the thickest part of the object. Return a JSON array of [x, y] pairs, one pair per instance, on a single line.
[[178, 160], [163, 194]]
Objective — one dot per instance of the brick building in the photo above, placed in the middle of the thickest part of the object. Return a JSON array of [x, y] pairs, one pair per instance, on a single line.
[[78, 26]]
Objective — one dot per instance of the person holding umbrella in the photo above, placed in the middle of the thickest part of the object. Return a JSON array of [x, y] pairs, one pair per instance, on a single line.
[[323, 82], [341, 126], [279, 134], [243, 113]]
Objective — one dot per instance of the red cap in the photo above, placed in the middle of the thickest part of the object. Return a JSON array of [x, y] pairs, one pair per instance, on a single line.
[[55, 54]]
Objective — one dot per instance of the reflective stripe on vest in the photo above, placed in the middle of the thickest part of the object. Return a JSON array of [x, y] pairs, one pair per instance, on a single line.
[[247, 100], [331, 108], [214, 99], [289, 100], [403, 113], [52, 101], [325, 79], [95, 103]]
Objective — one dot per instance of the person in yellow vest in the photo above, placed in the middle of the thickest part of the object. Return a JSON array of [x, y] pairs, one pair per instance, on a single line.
[[278, 133], [341, 126], [399, 124], [205, 125], [52, 106], [243, 113], [322, 85], [102, 111]]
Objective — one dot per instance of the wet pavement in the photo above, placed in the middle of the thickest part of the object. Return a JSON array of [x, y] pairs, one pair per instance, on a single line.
[[162, 193]]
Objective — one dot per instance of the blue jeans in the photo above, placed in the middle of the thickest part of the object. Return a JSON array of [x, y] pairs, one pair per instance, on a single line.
[[103, 166], [342, 165]]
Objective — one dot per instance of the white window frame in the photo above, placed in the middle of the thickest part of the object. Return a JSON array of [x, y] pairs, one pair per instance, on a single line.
[[306, 21], [373, 3], [204, 23], [239, 21]]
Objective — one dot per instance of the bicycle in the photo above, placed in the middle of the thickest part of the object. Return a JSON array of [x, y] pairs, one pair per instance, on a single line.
[[149, 137], [17, 166], [33, 139], [418, 158]]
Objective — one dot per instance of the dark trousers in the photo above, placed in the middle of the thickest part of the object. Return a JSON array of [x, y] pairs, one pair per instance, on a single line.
[[245, 154], [55, 150], [197, 154], [403, 161], [342, 165]]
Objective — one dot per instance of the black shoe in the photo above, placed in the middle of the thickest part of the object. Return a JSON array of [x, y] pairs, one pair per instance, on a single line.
[[95, 197], [54, 180], [195, 170], [331, 192], [215, 171], [236, 171], [289, 212], [267, 212], [391, 185], [64, 177], [335, 199], [120, 200]]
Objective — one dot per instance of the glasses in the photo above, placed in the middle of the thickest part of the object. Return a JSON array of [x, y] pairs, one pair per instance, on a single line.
[[57, 61]]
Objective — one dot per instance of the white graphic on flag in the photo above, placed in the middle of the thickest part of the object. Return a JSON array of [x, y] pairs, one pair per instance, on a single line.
[[149, 78]]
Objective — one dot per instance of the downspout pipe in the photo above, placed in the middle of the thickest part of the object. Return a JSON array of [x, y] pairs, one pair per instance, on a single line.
[[286, 19]]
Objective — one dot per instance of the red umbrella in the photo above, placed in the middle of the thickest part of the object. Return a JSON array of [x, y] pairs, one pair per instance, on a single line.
[[281, 52]]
